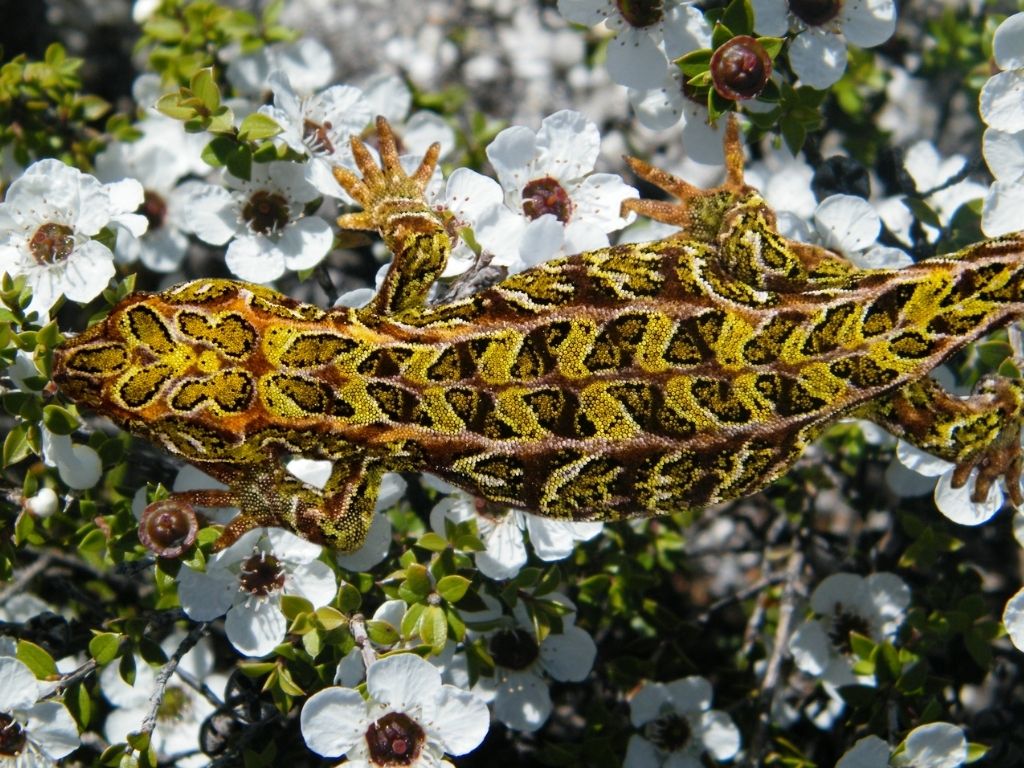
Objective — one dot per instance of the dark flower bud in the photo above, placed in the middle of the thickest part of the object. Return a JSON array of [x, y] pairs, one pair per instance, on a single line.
[[740, 68], [168, 528]]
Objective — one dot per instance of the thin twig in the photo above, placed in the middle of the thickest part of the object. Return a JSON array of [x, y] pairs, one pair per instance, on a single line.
[[740, 596], [165, 673], [773, 670], [24, 576], [75, 676], [358, 626], [201, 688]]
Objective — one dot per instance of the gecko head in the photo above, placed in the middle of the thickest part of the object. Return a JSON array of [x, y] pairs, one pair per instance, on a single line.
[[83, 365]]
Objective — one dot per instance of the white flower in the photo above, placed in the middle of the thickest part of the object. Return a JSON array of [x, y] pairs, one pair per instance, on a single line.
[[518, 690], [43, 504], [647, 35], [935, 745], [554, 204], [306, 63], [181, 712], [816, 53], [320, 127], [264, 221], [246, 581], [390, 97], [1002, 108], [869, 752], [410, 718], [845, 602], [467, 197], [1013, 619], [678, 726], [47, 222], [35, 733], [79, 466], [849, 225], [954, 503], [1000, 103], [502, 532], [158, 161]]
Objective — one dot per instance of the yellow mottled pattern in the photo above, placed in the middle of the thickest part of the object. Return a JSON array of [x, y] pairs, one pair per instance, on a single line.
[[632, 380]]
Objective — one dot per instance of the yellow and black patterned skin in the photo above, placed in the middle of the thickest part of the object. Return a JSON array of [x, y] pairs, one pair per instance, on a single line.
[[632, 380]]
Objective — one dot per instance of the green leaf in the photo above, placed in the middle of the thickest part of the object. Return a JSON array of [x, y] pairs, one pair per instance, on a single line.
[[258, 126], [104, 647], [287, 683], [861, 645], [434, 628], [293, 605], [975, 752], [330, 618], [126, 668], [739, 17], [381, 632], [59, 420], [16, 444], [452, 588], [416, 585], [720, 35], [695, 62], [204, 87], [771, 45], [412, 619], [37, 659], [432, 542]]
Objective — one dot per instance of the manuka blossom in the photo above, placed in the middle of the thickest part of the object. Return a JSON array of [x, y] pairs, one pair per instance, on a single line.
[[845, 602], [182, 709], [33, 733], [817, 52], [246, 581], [408, 718], [263, 221], [553, 203], [320, 127], [502, 531], [1013, 619], [158, 161], [306, 63], [518, 690], [954, 503], [647, 35], [678, 726], [935, 745], [1002, 108], [48, 221]]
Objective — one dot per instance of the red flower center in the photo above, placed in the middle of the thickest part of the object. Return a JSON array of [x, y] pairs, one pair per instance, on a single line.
[[815, 12], [261, 574], [52, 243], [154, 208], [315, 136], [395, 739], [641, 13], [513, 648], [542, 196], [12, 736], [266, 212]]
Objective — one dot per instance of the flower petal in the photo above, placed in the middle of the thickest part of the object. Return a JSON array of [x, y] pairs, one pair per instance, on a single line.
[[936, 745], [205, 596], [255, 630], [522, 701], [1002, 101], [254, 258], [957, 505], [818, 58], [635, 60], [461, 720], [1013, 619], [869, 752], [847, 223], [1008, 43], [720, 735], [868, 23], [314, 581], [403, 682], [18, 686], [569, 655], [333, 721]]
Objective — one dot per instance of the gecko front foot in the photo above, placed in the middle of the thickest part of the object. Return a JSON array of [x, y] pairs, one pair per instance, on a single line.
[[386, 189]]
